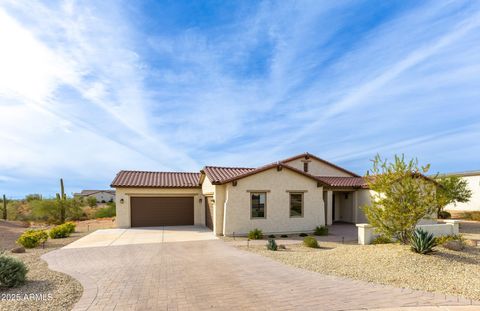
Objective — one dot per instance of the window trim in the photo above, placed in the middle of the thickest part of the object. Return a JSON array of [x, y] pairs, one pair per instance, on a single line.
[[301, 193], [264, 208]]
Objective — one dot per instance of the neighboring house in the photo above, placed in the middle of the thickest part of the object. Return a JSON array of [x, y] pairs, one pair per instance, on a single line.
[[473, 179], [290, 196], [102, 196]]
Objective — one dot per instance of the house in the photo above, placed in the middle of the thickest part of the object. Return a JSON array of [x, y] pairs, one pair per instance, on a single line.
[[473, 180], [102, 196], [289, 196]]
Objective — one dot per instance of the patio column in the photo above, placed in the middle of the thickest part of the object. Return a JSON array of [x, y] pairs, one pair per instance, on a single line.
[[328, 206]]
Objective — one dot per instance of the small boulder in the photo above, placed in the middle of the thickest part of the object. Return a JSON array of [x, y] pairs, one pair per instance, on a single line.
[[454, 245], [472, 243], [19, 249]]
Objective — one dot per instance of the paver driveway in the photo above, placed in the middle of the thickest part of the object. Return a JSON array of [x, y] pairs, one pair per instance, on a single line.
[[210, 274]]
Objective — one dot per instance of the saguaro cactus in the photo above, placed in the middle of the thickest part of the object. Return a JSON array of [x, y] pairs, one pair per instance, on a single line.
[[62, 201], [4, 207]]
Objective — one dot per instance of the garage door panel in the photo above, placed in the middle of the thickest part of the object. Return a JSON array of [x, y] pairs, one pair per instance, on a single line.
[[161, 211]]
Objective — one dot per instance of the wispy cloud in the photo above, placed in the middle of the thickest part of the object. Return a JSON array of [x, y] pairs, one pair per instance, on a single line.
[[89, 88]]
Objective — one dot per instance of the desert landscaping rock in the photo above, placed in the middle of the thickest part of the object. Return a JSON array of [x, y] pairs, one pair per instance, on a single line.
[[44, 289], [454, 245], [445, 271], [18, 250]]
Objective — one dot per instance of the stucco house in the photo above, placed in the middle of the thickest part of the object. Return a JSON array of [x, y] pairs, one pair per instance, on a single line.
[[473, 180], [289, 196], [102, 196]]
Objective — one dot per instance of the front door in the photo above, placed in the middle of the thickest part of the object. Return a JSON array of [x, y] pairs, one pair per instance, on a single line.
[[209, 212]]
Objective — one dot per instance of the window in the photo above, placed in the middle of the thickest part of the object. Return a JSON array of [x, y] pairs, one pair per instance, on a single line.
[[296, 204], [258, 204], [305, 166]]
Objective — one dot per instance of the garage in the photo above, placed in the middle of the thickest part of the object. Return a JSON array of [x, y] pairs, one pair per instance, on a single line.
[[161, 211]]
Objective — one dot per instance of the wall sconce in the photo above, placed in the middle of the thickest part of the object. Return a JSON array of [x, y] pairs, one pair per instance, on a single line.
[[346, 195], [121, 201], [200, 200]]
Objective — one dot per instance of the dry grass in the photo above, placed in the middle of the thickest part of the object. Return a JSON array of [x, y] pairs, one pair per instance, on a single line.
[[446, 271]]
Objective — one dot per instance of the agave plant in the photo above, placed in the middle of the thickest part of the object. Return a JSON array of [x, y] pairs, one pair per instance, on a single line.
[[422, 242]]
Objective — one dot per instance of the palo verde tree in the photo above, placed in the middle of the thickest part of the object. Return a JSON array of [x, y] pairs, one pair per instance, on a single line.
[[454, 189], [401, 197]]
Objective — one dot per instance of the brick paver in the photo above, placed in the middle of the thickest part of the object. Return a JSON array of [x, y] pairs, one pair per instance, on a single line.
[[206, 275]]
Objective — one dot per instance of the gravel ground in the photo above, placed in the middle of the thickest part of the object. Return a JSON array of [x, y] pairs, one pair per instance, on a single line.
[[449, 272], [45, 289]]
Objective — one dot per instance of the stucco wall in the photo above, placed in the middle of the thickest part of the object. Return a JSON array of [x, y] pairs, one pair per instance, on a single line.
[[123, 210], [474, 203], [318, 168], [207, 187], [363, 198], [103, 196], [237, 211]]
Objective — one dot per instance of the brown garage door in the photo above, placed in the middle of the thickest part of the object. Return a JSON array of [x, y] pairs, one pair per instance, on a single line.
[[161, 211]]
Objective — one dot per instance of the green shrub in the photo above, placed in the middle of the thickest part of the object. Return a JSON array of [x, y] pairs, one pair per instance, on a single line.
[[444, 215], [92, 201], [310, 241], [60, 231], [255, 234], [321, 230], [12, 271], [471, 215], [381, 239], [32, 238], [272, 245], [70, 226], [303, 235], [422, 242], [105, 212], [447, 238]]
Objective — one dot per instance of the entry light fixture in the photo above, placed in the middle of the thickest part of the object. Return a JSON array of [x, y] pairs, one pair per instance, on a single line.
[[121, 201]]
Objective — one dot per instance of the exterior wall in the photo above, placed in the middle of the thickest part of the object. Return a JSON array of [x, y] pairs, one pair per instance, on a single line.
[[318, 168], [366, 233], [207, 187], [237, 218], [103, 196], [474, 203], [123, 210], [363, 198], [218, 209]]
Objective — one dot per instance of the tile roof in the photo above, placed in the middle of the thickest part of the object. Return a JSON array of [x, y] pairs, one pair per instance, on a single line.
[[222, 175], [217, 174], [90, 192], [356, 182], [308, 155], [156, 179]]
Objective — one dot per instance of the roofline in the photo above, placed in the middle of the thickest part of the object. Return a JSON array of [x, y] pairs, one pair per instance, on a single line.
[[308, 155], [164, 187], [465, 174], [268, 167]]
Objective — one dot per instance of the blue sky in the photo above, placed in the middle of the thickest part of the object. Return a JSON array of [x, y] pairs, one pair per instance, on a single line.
[[88, 88]]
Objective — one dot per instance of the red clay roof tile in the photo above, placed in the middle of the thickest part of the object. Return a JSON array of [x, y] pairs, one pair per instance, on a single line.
[[156, 179]]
